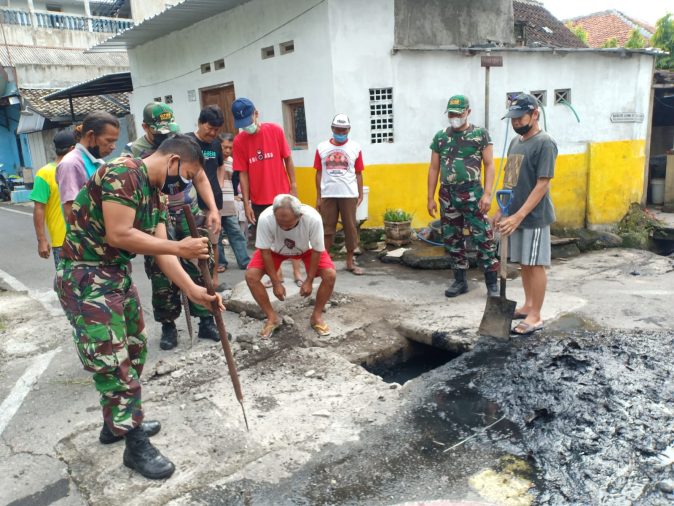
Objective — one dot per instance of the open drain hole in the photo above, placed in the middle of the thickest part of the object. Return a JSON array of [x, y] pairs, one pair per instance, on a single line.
[[408, 362]]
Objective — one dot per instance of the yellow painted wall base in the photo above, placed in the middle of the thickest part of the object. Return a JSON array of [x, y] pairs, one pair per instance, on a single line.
[[591, 188]]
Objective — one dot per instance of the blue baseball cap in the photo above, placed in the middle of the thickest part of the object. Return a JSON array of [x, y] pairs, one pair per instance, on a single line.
[[243, 110], [523, 104]]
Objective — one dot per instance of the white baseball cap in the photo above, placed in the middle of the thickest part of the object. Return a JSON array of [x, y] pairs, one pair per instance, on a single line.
[[341, 120]]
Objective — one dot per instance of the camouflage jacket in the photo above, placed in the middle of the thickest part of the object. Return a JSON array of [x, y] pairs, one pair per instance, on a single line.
[[124, 181], [460, 153]]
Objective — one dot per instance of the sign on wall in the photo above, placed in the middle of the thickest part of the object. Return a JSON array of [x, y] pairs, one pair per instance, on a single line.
[[627, 117], [191, 95]]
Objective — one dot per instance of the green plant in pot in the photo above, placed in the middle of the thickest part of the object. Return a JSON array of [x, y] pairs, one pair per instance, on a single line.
[[398, 226]]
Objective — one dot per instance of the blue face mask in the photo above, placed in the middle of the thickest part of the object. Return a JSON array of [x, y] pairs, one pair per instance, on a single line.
[[340, 137]]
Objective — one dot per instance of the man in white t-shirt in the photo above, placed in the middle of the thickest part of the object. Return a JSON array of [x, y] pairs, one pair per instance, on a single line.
[[288, 230], [339, 186]]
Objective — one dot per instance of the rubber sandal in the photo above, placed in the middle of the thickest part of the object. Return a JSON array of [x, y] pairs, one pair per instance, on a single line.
[[222, 268], [356, 270], [321, 329], [519, 316], [269, 329], [526, 329]]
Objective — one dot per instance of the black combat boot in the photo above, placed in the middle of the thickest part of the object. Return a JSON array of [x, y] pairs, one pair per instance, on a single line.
[[141, 456], [169, 336], [491, 280], [106, 437], [460, 284], [208, 329]]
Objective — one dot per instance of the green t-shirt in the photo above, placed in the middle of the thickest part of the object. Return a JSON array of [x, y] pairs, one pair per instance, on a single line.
[[460, 153], [123, 181]]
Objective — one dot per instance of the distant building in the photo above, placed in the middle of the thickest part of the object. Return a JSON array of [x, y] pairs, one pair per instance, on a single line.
[[391, 66], [42, 51], [606, 25]]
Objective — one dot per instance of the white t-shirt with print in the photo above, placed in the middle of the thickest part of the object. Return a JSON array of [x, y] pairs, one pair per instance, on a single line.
[[339, 165], [308, 234]]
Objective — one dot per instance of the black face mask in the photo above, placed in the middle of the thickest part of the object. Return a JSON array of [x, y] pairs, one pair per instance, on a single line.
[[157, 139], [95, 151], [174, 184], [523, 130]]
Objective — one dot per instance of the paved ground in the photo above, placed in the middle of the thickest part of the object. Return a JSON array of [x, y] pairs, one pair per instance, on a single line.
[[324, 429]]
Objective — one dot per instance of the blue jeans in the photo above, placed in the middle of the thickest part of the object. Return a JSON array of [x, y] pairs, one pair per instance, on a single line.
[[230, 226]]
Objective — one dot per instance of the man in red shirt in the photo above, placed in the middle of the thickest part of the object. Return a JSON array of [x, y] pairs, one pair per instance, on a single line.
[[262, 158]]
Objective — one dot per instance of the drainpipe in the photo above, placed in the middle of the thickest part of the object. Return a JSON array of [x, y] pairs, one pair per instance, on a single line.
[[649, 125], [87, 12]]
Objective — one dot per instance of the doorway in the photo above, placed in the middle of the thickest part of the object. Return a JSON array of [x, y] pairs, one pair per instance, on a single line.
[[223, 96]]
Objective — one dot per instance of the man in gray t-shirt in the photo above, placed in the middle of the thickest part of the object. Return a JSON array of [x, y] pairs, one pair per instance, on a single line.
[[529, 169]]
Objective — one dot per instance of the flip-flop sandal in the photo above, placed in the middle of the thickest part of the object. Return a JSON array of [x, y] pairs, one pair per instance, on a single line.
[[527, 329], [519, 316], [222, 268], [321, 329], [269, 329], [356, 270], [299, 283]]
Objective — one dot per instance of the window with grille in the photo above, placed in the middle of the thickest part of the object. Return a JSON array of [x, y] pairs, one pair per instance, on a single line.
[[205, 68], [168, 99], [510, 96], [295, 123], [541, 96], [157, 99], [563, 95], [267, 52], [381, 115], [219, 64]]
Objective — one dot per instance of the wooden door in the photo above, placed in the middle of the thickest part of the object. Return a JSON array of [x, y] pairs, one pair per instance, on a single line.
[[222, 96]]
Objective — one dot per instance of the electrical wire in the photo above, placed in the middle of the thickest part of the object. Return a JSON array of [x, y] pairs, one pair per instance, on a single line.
[[240, 48]]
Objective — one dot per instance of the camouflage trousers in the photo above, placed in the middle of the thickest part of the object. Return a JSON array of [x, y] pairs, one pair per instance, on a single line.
[[166, 304], [459, 209], [102, 305]]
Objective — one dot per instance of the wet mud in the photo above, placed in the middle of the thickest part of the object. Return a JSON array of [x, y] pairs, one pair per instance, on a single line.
[[576, 414]]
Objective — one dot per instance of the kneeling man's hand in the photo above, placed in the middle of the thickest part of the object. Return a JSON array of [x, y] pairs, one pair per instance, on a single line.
[[306, 288]]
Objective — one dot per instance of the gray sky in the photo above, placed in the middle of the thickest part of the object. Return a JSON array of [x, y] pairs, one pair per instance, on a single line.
[[645, 10]]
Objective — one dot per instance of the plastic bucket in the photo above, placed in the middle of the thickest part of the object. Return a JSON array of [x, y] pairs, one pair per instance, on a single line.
[[658, 191], [362, 210]]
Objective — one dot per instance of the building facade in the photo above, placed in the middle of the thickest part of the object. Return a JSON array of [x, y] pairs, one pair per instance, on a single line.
[[302, 61]]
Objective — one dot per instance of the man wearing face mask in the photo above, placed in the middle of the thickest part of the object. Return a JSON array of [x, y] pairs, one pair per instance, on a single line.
[[98, 134], [121, 212], [339, 187], [158, 124], [458, 154], [264, 163], [529, 169]]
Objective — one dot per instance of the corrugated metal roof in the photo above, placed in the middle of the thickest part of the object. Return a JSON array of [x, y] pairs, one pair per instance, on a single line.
[[172, 19], [40, 55], [104, 85], [59, 110]]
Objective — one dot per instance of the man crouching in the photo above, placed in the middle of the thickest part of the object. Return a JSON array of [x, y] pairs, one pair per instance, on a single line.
[[286, 230]]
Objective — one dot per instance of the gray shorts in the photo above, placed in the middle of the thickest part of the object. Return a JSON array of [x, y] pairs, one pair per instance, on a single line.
[[530, 246]]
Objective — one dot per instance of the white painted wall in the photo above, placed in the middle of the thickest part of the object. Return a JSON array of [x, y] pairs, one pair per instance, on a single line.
[[343, 48], [171, 64]]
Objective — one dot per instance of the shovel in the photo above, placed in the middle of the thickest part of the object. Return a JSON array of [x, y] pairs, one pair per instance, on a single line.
[[498, 313]]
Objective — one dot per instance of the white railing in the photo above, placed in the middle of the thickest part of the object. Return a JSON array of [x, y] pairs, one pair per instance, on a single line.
[[64, 21]]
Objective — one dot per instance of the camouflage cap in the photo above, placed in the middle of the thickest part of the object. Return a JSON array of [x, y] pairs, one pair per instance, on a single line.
[[159, 117], [457, 104]]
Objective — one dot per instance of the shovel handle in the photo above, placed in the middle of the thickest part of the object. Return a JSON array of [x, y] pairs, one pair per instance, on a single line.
[[503, 199]]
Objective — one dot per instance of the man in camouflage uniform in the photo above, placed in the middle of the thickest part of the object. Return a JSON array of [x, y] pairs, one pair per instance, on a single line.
[[118, 213], [457, 157], [158, 124]]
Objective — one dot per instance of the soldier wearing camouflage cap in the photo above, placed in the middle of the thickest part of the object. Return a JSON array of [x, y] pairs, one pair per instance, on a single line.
[[458, 154], [159, 124]]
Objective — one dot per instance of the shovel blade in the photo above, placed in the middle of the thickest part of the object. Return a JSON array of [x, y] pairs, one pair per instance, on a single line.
[[497, 318]]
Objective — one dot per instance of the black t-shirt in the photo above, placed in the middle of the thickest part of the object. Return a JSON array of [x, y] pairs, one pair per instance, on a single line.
[[213, 159]]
